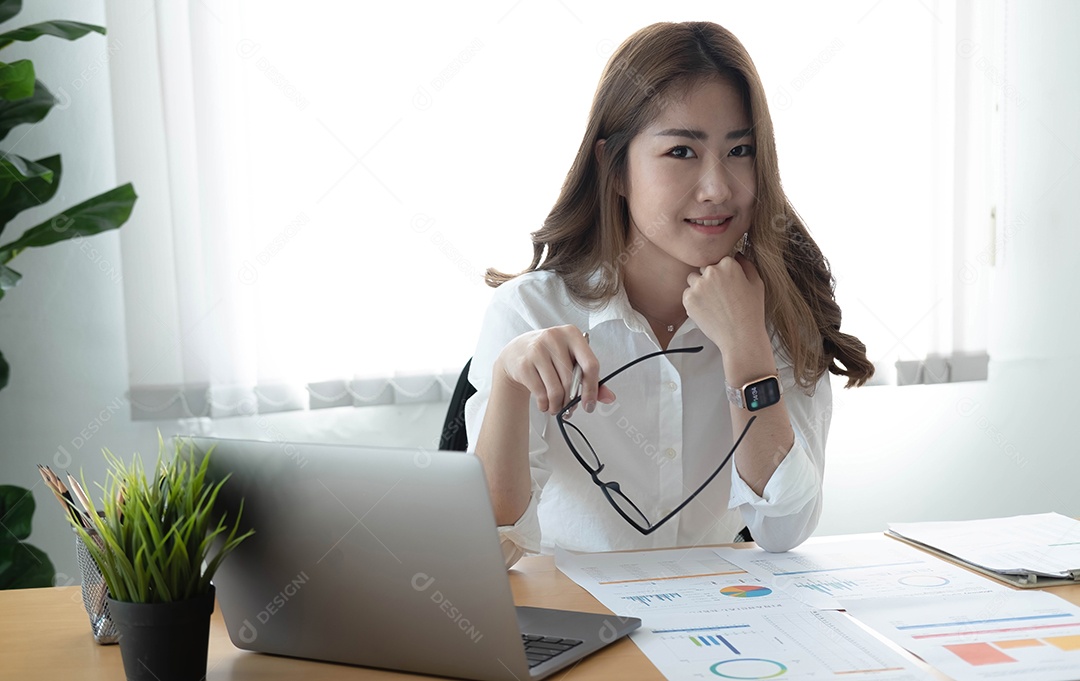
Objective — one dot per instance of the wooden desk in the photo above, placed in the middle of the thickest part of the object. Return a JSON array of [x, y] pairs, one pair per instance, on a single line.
[[45, 634]]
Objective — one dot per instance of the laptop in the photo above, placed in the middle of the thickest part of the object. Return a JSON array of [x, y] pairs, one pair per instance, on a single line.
[[383, 558]]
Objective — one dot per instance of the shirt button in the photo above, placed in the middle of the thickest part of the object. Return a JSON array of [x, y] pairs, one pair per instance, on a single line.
[[672, 386], [670, 453]]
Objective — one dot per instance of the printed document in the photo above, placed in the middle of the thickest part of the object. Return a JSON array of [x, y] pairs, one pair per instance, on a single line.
[[820, 573], [706, 618], [1021, 635]]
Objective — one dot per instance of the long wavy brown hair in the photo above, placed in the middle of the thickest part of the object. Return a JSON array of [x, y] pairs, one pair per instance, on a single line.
[[587, 230]]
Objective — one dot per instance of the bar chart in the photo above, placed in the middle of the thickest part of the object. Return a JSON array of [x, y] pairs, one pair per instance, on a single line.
[[783, 645], [1026, 636]]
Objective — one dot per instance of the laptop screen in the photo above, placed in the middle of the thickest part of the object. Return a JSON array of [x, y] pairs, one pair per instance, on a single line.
[[369, 556]]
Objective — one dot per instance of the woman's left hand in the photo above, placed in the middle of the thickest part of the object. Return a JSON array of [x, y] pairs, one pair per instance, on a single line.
[[727, 302]]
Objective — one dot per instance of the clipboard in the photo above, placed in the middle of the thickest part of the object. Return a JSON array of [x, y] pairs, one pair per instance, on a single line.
[[1019, 579]]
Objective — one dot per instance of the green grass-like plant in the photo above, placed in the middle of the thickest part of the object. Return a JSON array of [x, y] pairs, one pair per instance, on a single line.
[[156, 533]]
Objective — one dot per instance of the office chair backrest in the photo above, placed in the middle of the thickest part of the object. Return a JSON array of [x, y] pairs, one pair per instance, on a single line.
[[454, 438]]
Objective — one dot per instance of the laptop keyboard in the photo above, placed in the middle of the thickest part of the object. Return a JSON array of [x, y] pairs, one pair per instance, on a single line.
[[540, 649]]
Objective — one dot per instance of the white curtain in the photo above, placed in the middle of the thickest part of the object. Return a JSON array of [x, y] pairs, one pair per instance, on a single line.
[[322, 185], [278, 262]]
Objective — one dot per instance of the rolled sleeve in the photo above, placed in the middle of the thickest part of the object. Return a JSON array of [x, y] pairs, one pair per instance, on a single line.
[[789, 507], [523, 537], [793, 484]]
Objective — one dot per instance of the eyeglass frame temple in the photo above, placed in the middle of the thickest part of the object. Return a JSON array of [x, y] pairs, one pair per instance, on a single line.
[[595, 474], [577, 400], [686, 502]]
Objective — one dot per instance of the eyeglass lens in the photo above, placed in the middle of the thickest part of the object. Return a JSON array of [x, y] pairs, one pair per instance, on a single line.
[[577, 440]]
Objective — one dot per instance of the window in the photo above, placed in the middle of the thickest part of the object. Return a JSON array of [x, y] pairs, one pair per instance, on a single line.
[[322, 190]]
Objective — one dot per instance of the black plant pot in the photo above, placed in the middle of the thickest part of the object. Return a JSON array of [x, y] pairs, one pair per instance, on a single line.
[[164, 641]]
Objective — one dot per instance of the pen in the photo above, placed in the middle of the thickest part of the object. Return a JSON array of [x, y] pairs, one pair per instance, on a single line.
[[575, 383]]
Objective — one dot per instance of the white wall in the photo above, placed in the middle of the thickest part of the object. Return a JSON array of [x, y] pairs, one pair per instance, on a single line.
[[920, 452], [1005, 445]]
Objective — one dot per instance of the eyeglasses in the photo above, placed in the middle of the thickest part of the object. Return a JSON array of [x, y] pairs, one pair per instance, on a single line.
[[590, 461]]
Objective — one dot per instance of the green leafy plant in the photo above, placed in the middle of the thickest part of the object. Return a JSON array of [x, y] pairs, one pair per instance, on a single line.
[[26, 183], [22, 566], [157, 532]]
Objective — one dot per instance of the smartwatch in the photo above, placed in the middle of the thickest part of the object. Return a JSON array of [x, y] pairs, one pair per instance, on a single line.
[[757, 394]]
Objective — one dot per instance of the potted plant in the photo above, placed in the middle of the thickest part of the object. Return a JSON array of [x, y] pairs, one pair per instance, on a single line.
[[153, 541], [26, 183]]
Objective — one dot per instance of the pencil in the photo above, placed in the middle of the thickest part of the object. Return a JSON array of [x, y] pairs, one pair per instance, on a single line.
[[66, 495], [61, 493], [80, 494], [48, 483]]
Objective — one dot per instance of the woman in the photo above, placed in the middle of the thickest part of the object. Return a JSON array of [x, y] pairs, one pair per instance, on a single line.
[[671, 232]]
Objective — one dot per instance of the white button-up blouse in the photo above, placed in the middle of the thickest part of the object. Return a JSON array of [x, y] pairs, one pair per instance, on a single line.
[[666, 433]]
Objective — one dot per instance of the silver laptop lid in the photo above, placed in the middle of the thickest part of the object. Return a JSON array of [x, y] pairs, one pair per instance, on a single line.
[[370, 556]]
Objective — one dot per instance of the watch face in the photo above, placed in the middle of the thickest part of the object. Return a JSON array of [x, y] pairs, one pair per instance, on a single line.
[[764, 393]]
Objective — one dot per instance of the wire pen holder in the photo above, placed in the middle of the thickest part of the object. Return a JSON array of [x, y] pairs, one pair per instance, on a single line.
[[95, 593]]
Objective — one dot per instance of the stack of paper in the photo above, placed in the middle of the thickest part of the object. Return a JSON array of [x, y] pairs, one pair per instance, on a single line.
[[744, 613], [704, 617]]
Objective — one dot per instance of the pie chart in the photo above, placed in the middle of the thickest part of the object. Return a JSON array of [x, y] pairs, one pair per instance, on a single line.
[[923, 580], [751, 668], [746, 591]]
